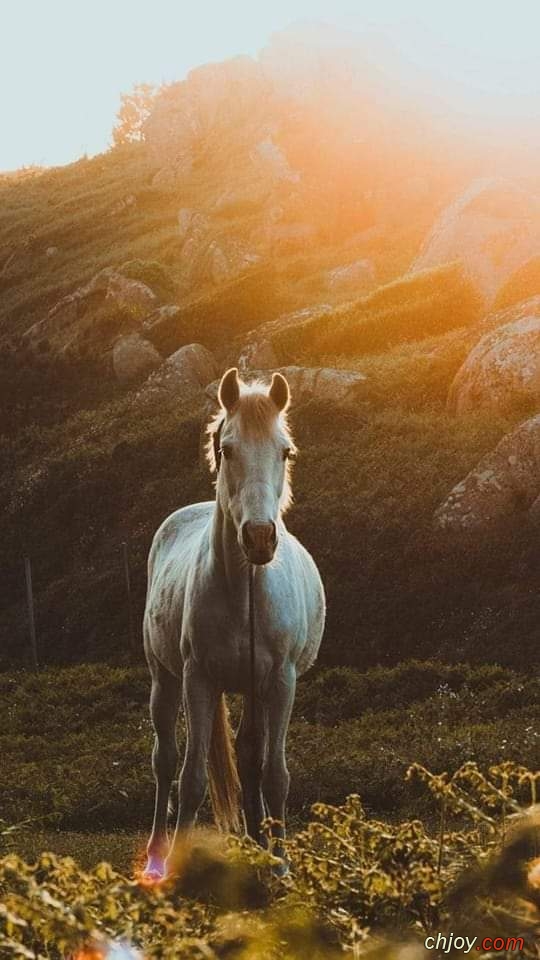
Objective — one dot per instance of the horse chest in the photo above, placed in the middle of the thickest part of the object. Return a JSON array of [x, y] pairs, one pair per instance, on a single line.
[[220, 644]]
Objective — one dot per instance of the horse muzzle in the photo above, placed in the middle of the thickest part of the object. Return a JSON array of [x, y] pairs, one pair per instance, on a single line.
[[259, 542]]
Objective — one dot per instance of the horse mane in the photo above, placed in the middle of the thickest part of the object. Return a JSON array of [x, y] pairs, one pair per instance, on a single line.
[[257, 414]]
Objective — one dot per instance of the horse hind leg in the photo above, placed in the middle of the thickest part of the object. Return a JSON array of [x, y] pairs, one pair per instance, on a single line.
[[250, 750], [164, 704]]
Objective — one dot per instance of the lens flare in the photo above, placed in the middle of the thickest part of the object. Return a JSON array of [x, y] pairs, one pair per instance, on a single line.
[[533, 874], [110, 951]]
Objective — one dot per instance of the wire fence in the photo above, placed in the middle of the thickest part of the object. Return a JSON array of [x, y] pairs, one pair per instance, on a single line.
[[32, 632]]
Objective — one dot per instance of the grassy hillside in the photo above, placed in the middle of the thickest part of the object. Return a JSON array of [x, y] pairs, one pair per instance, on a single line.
[[84, 469]]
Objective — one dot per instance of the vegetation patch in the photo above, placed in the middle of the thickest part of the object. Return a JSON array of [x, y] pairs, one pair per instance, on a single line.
[[414, 307], [357, 885], [79, 739]]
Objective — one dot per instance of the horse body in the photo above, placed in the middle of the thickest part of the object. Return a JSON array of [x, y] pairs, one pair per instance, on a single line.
[[193, 612], [197, 630]]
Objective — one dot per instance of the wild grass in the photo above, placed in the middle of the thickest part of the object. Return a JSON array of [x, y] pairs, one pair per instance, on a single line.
[[412, 308], [76, 746]]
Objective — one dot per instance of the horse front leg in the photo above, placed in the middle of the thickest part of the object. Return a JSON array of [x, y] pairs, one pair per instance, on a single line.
[[164, 703], [200, 702], [250, 750], [276, 777]]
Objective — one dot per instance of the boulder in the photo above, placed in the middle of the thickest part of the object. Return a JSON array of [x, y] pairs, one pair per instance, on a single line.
[[72, 318], [493, 228], [132, 294], [261, 340], [356, 276], [130, 200], [505, 483], [205, 259], [220, 266], [273, 162], [257, 355], [192, 224], [309, 383], [162, 314], [504, 367], [324, 383], [134, 359], [185, 374]]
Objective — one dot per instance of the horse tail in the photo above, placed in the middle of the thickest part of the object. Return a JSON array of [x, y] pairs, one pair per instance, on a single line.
[[223, 773]]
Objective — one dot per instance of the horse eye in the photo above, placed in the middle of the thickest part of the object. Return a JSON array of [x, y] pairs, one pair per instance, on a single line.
[[226, 451], [288, 454]]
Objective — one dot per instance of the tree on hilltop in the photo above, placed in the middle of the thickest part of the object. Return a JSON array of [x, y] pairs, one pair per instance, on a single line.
[[135, 108]]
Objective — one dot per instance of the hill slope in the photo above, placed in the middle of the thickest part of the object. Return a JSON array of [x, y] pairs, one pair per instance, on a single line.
[[242, 238]]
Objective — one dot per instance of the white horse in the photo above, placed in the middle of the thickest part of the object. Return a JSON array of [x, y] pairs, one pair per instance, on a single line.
[[199, 612]]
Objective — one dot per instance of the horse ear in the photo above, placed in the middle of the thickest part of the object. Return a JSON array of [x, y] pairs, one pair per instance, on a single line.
[[229, 389], [279, 392]]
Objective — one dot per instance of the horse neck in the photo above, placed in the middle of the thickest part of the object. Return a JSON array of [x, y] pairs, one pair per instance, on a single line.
[[227, 554]]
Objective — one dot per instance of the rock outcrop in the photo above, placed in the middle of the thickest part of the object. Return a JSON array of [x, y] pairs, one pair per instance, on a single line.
[[184, 374], [504, 367], [228, 100], [324, 383], [127, 202], [493, 228], [308, 383], [358, 276], [72, 319], [259, 343], [257, 355], [206, 259], [192, 225], [505, 483], [134, 359], [273, 162], [161, 315]]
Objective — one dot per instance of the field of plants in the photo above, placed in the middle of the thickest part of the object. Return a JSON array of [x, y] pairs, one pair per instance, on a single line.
[[382, 851], [358, 885]]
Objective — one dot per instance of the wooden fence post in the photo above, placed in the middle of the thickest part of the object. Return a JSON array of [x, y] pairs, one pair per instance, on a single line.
[[31, 617], [132, 644]]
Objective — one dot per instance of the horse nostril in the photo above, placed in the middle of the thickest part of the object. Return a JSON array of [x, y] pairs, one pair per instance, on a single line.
[[259, 536], [246, 536]]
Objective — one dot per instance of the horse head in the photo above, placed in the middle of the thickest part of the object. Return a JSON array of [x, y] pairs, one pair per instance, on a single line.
[[251, 449]]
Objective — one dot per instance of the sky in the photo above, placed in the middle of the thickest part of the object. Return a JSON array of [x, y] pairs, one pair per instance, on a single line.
[[65, 63]]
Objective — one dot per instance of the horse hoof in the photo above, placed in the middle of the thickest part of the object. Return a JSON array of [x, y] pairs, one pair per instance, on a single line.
[[154, 870]]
